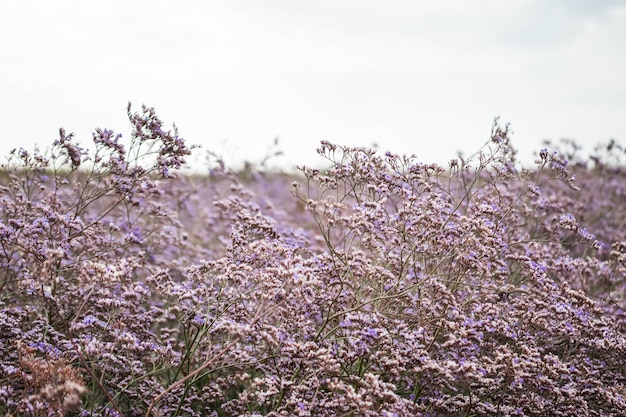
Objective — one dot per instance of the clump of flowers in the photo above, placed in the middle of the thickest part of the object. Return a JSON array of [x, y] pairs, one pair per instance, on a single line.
[[379, 286], [44, 386]]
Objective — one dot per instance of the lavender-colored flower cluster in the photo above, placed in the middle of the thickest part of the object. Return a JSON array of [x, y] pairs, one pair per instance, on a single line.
[[380, 286]]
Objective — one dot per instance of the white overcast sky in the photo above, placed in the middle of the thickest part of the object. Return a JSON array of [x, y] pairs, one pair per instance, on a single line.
[[423, 77]]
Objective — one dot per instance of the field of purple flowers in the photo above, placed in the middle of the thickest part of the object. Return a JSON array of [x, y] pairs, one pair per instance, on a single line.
[[379, 286]]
